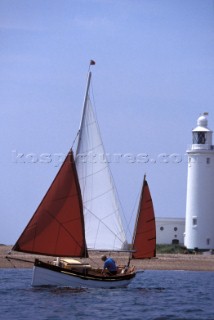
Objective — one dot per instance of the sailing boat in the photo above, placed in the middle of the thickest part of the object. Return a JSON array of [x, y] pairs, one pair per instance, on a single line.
[[80, 212]]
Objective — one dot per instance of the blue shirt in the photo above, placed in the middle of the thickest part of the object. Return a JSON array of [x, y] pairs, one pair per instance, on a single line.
[[110, 265]]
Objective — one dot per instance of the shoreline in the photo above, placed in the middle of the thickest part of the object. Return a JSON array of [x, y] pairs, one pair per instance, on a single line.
[[188, 262]]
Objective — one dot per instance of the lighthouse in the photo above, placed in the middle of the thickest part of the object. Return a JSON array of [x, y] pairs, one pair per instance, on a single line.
[[199, 225]]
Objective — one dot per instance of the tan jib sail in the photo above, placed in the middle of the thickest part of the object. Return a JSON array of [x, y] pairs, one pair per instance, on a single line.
[[57, 226], [144, 239]]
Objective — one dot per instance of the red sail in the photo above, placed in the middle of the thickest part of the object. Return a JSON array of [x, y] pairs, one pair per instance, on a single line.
[[144, 240], [57, 226]]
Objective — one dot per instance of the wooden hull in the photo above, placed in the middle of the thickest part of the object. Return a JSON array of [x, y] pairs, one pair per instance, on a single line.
[[45, 274]]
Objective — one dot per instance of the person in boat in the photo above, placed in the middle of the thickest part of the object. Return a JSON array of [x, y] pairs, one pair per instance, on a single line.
[[109, 264]]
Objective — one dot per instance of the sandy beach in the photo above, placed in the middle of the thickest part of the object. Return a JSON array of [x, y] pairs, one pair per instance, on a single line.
[[192, 262]]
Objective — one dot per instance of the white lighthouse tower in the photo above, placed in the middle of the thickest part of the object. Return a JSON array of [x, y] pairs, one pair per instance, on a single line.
[[199, 228]]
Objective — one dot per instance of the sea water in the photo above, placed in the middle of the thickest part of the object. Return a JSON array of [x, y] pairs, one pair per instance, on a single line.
[[157, 295]]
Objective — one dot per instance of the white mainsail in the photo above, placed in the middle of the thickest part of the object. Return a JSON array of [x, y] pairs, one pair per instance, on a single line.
[[103, 223]]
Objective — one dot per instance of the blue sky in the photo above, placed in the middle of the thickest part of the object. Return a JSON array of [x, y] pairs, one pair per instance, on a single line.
[[153, 77]]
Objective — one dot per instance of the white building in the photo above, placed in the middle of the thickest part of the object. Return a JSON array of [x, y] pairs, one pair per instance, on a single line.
[[199, 228], [170, 230]]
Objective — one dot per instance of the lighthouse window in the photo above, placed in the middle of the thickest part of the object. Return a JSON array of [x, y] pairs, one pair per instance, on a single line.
[[208, 160], [161, 228], [199, 138], [194, 221], [208, 241], [195, 137]]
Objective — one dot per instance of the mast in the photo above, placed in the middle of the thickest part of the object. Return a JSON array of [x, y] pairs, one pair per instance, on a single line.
[[85, 98], [92, 62], [138, 213], [136, 223]]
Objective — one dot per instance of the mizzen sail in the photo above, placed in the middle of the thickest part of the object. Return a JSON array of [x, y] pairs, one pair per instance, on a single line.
[[144, 239], [57, 226], [102, 214]]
